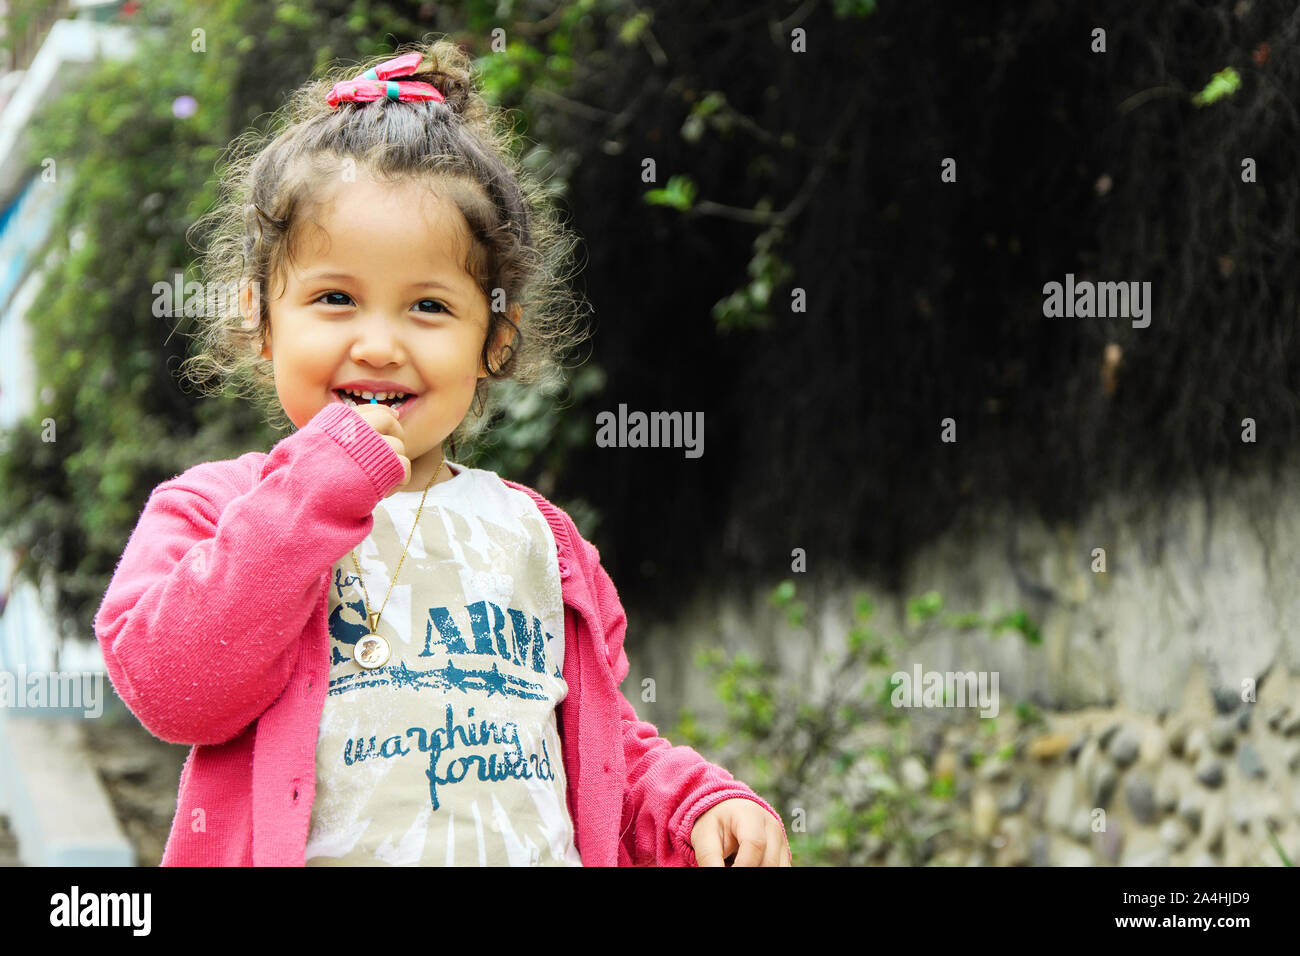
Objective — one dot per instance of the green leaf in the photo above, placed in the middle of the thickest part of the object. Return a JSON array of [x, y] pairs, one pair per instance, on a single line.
[[795, 613], [924, 607], [857, 637], [964, 621], [1286, 861], [1028, 713], [1019, 621], [862, 607], [854, 8], [679, 194], [1224, 83], [783, 593], [632, 27]]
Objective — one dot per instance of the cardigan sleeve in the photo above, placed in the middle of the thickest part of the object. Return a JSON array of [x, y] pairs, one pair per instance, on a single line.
[[200, 624], [668, 787]]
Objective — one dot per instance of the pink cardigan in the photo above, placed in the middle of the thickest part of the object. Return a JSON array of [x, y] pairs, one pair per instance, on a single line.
[[214, 634]]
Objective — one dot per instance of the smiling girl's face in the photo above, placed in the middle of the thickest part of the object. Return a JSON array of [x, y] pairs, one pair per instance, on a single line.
[[379, 291]]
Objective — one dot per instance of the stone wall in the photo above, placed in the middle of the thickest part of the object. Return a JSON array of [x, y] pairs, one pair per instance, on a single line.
[[1150, 750], [1111, 786]]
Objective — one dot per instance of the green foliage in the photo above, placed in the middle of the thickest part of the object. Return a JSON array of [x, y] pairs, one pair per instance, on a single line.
[[1029, 715], [1277, 847], [783, 597], [679, 193], [1018, 621], [506, 75], [924, 607], [815, 754], [854, 8], [695, 124], [748, 306], [634, 26], [535, 429], [1224, 83], [929, 606], [23, 17]]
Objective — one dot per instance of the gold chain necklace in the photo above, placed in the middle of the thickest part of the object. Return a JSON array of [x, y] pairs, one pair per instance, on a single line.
[[372, 650]]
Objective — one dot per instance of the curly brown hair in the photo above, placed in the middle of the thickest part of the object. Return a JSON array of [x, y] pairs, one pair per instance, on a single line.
[[519, 252]]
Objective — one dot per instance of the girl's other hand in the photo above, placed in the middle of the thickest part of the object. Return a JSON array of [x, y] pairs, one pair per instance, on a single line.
[[740, 828]]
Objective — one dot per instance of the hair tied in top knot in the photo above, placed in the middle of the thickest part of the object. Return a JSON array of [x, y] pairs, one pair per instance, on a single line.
[[377, 83]]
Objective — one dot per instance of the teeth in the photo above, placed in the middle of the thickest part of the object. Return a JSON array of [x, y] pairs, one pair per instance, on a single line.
[[366, 396]]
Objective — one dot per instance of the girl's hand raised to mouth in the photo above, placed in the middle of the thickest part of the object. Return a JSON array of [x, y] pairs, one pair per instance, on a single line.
[[384, 420]]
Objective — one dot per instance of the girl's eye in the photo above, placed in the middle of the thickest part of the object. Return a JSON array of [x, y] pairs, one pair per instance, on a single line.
[[325, 295]]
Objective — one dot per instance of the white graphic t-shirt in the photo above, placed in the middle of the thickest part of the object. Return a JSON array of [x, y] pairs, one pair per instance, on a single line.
[[448, 754]]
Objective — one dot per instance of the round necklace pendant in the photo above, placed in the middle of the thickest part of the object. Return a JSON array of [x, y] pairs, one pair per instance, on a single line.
[[371, 651]]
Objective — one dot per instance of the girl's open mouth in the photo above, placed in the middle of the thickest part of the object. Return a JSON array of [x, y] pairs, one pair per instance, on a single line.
[[399, 403]]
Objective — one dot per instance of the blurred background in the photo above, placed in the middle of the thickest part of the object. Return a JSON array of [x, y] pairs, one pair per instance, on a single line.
[[909, 467]]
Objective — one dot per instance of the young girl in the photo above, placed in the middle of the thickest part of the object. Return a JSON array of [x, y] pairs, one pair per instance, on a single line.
[[380, 655]]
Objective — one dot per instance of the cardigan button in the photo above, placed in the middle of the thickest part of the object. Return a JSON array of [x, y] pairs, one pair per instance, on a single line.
[[564, 568]]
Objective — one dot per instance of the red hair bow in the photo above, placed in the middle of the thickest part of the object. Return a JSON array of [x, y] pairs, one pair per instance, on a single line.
[[377, 83]]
